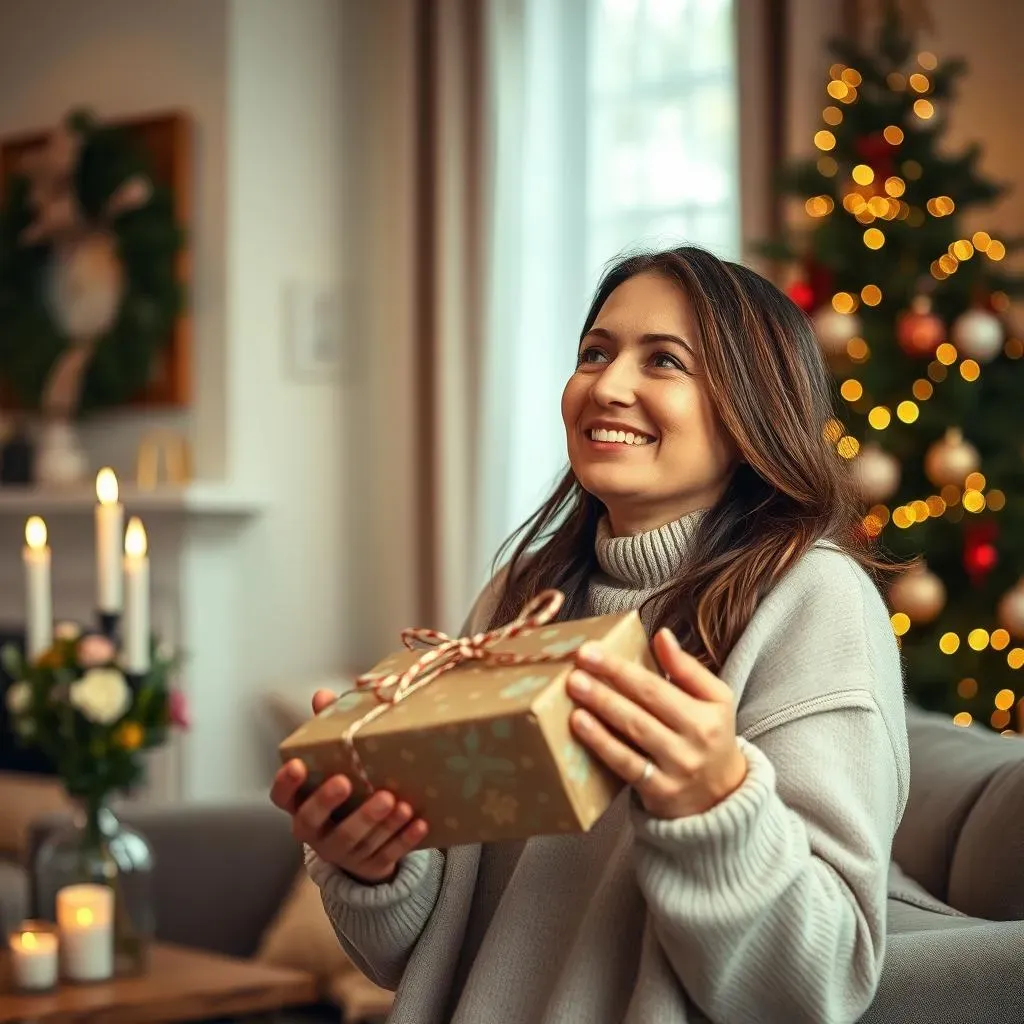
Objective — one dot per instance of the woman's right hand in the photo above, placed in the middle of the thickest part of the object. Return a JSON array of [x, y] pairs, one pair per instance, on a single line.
[[369, 842]]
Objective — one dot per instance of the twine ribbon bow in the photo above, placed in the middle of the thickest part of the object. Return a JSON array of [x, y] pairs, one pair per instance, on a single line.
[[442, 655]]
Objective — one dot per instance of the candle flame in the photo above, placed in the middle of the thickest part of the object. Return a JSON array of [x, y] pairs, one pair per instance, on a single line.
[[84, 916], [35, 533], [135, 538], [29, 940], [106, 486]]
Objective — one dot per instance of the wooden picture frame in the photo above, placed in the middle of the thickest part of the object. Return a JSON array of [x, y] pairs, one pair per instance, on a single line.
[[167, 140]]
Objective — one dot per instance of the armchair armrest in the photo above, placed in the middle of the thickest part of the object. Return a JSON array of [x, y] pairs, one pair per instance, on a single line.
[[962, 833], [220, 872]]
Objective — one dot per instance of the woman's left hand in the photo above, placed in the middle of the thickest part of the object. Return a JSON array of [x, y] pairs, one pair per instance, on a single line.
[[683, 726]]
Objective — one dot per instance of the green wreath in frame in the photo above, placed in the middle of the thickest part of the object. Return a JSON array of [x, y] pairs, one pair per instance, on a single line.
[[89, 290]]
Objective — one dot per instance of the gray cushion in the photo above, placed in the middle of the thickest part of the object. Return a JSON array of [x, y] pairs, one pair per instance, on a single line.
[[946, 969], [986, 878], [949, 768]]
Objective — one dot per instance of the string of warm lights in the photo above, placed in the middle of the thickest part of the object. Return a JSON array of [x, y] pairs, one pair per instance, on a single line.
[[873, 191], [949, 503], [908, 410], [967, 689]]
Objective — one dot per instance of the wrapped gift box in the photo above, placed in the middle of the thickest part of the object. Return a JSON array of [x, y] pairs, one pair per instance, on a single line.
[[484, 751]]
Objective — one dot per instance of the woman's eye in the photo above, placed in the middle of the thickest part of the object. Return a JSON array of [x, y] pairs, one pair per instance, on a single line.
[[663, 361], [591, 355]]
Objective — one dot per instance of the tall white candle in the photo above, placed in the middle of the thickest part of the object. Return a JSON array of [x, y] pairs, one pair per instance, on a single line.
[[85, 918], [135, 650], [33, 957], [109, 540], [38, 595]]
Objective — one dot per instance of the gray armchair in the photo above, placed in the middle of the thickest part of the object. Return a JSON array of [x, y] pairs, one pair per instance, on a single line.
[[956, 909]]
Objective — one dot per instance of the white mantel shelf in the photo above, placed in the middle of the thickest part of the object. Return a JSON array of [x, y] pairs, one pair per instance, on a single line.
[[197, 499]]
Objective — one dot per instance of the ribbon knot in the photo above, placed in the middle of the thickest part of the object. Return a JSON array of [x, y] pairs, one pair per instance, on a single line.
[[444, 653]]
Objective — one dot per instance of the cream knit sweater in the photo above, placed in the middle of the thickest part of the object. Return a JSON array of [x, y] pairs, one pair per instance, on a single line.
[[768, 908]]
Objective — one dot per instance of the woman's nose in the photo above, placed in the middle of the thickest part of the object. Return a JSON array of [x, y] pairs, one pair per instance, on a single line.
[[616, 384]]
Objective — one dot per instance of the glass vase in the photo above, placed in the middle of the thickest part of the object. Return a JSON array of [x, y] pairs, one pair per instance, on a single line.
[[96, 847]]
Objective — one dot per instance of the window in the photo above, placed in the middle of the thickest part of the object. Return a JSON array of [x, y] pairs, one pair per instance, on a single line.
[[614, 123], [662, 147]]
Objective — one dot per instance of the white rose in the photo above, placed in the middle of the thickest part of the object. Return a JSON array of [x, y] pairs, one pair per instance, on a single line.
[[102, 695], [19, 696]]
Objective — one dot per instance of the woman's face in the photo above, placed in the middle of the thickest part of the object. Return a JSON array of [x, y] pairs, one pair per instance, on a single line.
[[642, 434]]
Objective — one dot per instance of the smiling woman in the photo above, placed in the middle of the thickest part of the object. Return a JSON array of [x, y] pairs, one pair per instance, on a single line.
[[742, 874], [724, 374], [638, 377]]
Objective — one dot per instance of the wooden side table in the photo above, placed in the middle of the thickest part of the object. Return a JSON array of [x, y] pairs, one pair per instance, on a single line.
[[179, 985]]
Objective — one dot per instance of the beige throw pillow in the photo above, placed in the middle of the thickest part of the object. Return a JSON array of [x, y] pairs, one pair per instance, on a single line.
[[300, 935]]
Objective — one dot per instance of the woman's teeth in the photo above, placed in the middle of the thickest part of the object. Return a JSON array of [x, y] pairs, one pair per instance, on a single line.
[[619, 436]]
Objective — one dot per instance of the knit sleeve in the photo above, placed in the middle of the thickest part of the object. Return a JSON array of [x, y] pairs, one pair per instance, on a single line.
[[379, 925], [772, 904]]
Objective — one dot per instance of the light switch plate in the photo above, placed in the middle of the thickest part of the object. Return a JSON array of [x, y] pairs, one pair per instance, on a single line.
[[314, 331]]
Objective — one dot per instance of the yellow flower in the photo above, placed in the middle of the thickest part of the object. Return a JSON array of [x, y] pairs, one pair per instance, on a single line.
[[129, 735]]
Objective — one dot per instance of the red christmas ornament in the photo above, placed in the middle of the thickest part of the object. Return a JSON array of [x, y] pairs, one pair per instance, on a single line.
[[802, 294], [980, 554], [918, 330], [876, 153], [821, 280]]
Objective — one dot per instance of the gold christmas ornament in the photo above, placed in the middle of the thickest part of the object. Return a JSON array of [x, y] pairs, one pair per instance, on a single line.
[[978, 334], [1010, 611], [835, 330], [950, 459], [919, 594], [877, 474]]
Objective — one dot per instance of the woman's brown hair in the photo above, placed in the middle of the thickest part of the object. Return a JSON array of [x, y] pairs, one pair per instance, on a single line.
[[774, 395]]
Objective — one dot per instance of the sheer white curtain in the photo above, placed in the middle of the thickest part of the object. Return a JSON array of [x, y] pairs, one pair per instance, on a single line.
[[612, 124]]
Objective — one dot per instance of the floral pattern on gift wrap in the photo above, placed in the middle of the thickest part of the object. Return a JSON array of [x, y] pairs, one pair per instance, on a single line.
[[500, 807], [475, 764], [575, 763], [563, 647], [521, 687]]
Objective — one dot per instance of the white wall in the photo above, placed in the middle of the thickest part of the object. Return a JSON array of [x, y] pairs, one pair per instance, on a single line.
[[262, 602], [988, 36]]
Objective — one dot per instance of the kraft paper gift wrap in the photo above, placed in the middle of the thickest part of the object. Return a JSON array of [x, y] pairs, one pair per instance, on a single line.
[[484, 751]]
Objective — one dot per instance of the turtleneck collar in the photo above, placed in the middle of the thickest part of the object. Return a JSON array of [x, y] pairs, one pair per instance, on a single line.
[[646, 560]]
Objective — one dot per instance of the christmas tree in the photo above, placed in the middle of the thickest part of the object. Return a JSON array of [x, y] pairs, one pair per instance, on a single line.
[[912, 309]]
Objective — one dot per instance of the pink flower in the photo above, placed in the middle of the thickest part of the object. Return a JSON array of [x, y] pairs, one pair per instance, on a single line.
[[95, 650], [177, 709]]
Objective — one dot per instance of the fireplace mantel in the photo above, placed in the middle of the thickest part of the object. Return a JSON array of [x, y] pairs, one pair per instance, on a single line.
[[201, 498]]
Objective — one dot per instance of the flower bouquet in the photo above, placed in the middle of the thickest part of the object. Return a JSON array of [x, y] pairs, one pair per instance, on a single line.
[[94, 723]]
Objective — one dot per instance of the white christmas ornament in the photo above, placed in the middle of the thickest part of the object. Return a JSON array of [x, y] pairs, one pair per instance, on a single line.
[[1010, 611], [835, 330], [919, 594], [977, 334], [877, 474], [950, 459]]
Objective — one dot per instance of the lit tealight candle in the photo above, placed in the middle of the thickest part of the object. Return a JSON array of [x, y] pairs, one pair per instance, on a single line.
[[38, 595], [135, 658], [33, 957], [85, 921], [109, 533]]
